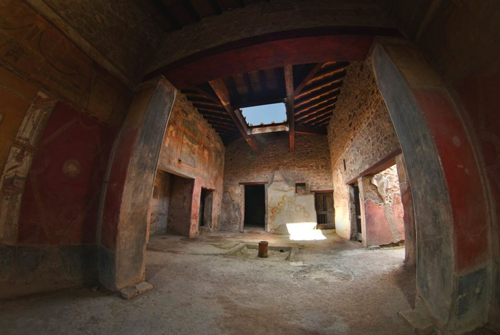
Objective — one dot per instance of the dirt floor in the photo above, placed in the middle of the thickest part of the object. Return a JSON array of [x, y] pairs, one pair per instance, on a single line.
[[331, 286]]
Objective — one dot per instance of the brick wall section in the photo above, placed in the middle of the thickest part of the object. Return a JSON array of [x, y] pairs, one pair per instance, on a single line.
[[361, 133], [310, 163]]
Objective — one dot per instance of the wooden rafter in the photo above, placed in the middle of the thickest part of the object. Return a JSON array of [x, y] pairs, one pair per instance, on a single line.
[[309, 76], [330, 70], [222, 93], [305, 130], [191, 10], [315, 111], [204, 94], [168, 14], [319, 120], [290, 101], [215, 5], [324, 91], [246, 78], [307, 108], [321, 84], [317, 115], [262, 78]]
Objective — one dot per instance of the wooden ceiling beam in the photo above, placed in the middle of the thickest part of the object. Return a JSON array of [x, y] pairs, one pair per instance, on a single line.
[[202, 108], [323, 124], [305, 130], [312, 100], [305, 108], [222, 93], [205, 94], [191, 10], [206, 104], [162, 8], [315, 111], [320, 120], [322, 83], [309, 76], [217, 117], [246, 78], [325, 90], [330, 70], [262, 77], [222, 124], [290, 101], [216, 7], [311, 117], [322, 44]]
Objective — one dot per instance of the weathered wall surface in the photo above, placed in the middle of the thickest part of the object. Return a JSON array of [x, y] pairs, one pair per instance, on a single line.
[[52, 156], [380, 198], [280, 169], [360, 133], [268, 17], [193, 149], [120, 31], [159, 204]]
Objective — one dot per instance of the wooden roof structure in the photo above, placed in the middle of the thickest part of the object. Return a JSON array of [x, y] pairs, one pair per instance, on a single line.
[[310, 92]]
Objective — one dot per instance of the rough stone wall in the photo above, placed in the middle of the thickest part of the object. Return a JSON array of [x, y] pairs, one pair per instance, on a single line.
[[380, 197], [280, 169], [193, 149], [268, 17], [360, 133]]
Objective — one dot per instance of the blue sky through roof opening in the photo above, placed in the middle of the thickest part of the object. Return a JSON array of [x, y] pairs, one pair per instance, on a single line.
[[266, 114]]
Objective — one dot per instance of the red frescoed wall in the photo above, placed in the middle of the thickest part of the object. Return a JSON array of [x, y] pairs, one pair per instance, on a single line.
[[381, 208], [61, 199]]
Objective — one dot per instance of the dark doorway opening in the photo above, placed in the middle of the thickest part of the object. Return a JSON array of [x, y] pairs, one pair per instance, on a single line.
[[206, 199], [324, 210], [179, 214], [255, 206], [357, 207]]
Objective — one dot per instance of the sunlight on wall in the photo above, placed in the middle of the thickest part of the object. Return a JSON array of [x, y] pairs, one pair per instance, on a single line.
[[304, 231]]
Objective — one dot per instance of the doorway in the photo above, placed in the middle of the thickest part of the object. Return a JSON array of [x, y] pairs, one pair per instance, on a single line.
[[255, 207], [179, 213], [205, 218], [357, 210], [324, 210]]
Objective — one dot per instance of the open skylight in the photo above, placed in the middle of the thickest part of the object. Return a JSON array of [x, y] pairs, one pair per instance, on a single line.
[[265, 114]]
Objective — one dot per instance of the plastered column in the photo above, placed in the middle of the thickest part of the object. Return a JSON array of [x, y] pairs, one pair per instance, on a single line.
[[122, 240]]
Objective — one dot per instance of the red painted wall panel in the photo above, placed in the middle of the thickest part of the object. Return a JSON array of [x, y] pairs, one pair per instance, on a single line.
[[479, 93], [61, 199], [462, 176]]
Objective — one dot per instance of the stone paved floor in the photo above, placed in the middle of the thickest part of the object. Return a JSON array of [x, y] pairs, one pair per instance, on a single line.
[[332, 286]]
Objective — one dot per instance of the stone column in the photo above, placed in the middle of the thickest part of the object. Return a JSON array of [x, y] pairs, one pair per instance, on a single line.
[[451, 212], [122, 239]]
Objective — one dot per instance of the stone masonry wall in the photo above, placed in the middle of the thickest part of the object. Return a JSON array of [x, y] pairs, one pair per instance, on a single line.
[[360, 134], [280, 169]]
